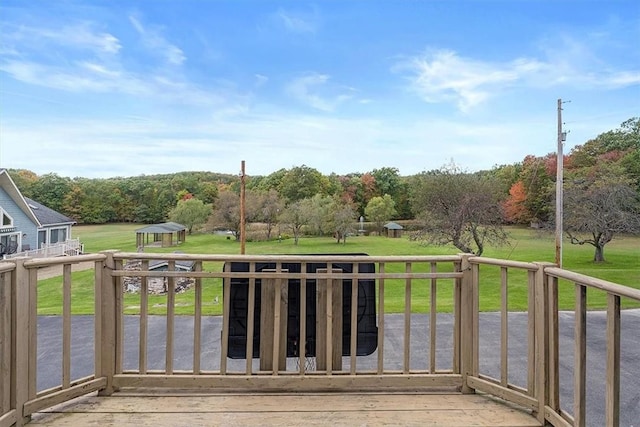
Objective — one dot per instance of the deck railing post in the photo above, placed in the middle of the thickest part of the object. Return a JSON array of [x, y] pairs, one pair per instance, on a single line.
[[468, 316], [107, 344], [20, 361], [543, 338]]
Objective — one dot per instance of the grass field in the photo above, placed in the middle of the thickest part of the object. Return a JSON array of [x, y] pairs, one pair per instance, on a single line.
[[622, 266]]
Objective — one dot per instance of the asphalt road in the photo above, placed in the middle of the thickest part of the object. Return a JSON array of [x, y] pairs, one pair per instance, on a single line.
[[50, 353]]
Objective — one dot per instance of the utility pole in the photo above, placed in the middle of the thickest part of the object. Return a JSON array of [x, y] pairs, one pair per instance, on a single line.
[[559, 186], [242, 209]]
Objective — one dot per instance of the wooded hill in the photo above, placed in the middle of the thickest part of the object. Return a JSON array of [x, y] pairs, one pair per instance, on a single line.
[[525, 189]]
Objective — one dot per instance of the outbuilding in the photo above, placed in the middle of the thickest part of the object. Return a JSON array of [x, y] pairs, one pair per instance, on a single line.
[[393, 229], [164, 235]]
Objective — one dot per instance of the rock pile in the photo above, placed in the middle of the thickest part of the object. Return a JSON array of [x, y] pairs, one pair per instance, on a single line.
[[156, 285]]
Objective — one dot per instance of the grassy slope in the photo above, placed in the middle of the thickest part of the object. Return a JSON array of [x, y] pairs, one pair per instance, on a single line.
[[622, 266]]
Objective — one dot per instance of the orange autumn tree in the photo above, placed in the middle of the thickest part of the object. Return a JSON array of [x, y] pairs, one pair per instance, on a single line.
[[514, 207]]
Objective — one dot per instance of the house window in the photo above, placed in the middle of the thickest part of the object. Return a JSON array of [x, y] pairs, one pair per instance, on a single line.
[[7, 221], [9, 243], [42, 237], [58, 235]]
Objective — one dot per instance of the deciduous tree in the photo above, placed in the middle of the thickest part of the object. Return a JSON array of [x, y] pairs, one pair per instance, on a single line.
[[380, 210], [191, 213], [460, 209], [598, 207]]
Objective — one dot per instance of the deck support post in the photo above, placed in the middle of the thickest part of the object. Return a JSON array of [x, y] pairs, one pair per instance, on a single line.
[[20, 363], [107, 345], [468, 319]]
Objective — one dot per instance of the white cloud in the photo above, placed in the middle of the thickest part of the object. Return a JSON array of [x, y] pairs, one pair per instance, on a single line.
[[260, 79], [297, 22], [306, 89], [444, 76], [156, 43], [78, 36]]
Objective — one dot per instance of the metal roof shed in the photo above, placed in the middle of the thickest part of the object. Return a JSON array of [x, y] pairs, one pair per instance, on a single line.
[[161, 235], [393, 229]]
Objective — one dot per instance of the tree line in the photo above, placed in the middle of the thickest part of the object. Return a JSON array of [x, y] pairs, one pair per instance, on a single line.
[[447, 206]]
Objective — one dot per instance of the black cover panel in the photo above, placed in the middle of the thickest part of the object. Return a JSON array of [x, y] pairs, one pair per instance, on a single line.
[[367, 340]]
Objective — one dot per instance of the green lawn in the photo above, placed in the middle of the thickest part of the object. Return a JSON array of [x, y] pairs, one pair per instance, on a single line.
[[622, 266]]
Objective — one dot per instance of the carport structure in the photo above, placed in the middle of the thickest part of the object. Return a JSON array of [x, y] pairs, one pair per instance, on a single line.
[[164, 235]]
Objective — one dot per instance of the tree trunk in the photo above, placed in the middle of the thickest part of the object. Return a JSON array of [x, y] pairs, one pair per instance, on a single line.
[[599, 254]]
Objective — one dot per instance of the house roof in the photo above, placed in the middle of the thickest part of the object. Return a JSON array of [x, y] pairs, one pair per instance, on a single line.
[[166, 227], [41, 215], [393, 226], [47, 216]]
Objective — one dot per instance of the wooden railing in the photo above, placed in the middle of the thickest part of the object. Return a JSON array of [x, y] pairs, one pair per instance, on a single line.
[[67, 248], [408, 293]]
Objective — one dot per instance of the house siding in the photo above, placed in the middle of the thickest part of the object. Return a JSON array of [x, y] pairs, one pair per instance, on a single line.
[[21, 221]]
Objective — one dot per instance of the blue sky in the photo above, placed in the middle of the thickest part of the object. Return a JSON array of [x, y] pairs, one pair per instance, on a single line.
[[124, 88]]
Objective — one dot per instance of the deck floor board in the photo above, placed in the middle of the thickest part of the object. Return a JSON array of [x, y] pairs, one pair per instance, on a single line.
[[309, 409]]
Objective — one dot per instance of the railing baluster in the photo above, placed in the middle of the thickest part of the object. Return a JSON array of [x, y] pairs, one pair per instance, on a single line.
[[531, 335], [119, 320], [580, 356], [144, 319], [354, 322], [66, 326], [433, 311], [277, 300], [504, 327], [407, 321], [33, 331], [6, 324], [197, 320], [98, 313], [612, 410], [302, 342], [224, 339], [553, 345], [381, 313], [171, 303], [457, 297], [251, 303]]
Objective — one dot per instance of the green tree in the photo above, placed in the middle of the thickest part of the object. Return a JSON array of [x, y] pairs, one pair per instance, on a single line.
[[342, 218], [190, 213], [296, 216], [380, 210], [301, 182], [50, 190], [318, 217]]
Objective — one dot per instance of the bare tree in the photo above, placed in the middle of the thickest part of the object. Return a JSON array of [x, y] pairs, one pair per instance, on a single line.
[[460, 209], [598, 207], [270, 205]]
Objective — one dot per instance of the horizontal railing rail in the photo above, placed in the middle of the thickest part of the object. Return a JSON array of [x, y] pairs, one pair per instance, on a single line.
[[303, 322]]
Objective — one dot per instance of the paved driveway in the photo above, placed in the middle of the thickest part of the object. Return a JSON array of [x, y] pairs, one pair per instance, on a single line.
[[50, 343]]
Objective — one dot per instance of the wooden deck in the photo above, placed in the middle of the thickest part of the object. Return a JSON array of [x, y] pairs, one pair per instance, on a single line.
[[155, 408]]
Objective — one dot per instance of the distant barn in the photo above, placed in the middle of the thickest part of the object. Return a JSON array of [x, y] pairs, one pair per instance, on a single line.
[[164, 235], [393, 229]]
